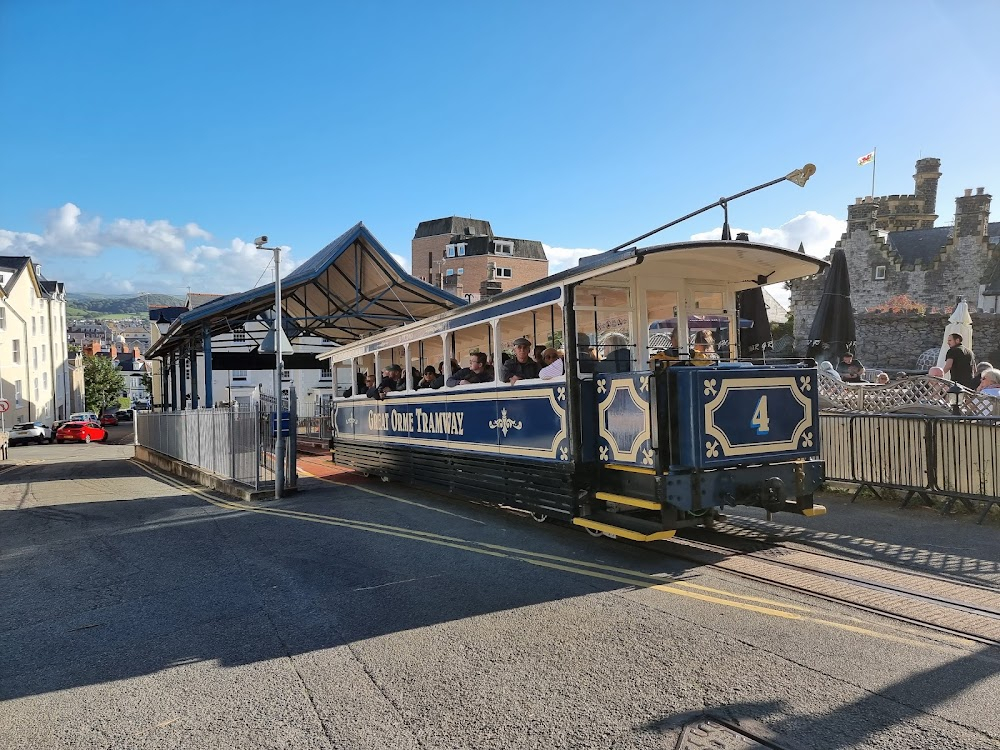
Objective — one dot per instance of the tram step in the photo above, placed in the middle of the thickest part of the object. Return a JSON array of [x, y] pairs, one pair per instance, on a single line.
[[635, 502], [624, 526]]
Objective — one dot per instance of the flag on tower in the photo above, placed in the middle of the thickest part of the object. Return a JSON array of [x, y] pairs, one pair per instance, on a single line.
[[866, 159]]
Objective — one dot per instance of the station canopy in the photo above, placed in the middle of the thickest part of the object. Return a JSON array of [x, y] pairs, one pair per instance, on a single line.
[[350, 289]]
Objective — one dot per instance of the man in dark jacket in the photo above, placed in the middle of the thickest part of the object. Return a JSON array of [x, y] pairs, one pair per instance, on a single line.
[[392, 381], [521, 366], [476, 372]]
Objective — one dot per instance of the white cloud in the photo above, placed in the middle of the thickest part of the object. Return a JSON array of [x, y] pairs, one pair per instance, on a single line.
[[404, 263], [78, 249], [817, 232], [561, 258]]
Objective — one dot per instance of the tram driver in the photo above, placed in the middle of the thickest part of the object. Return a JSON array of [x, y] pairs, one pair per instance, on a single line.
[[521, 366]]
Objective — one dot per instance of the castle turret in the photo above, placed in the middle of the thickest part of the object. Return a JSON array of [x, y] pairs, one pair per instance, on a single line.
[[926, 182], [862, 215], [972, 213]]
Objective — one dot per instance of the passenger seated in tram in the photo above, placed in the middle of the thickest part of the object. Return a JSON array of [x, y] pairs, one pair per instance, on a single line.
[[553, 365], [392, 381], [584, 354], [429, 376], [476, 372], [521, 366], [616, 352], [704, 352], [364, 383]]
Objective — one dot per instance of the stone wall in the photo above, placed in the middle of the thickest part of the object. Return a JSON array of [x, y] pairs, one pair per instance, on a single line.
[[894, 341]]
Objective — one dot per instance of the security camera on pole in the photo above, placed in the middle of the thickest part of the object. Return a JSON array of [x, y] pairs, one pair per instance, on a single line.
[[279, 440]]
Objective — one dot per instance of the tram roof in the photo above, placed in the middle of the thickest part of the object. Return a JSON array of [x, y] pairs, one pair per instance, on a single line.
[[735, 262], [347, 291]]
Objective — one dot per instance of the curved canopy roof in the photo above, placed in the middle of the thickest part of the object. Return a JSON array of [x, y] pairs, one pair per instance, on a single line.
[[348, 290]]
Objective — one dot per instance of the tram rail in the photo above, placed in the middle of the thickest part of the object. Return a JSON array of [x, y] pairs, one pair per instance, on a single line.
[[967, 611]]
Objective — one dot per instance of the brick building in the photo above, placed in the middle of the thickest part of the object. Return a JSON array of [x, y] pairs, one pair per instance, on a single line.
[[893, 248], [464, 257]]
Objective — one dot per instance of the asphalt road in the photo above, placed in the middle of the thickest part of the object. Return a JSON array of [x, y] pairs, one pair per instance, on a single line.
[[140, 613]]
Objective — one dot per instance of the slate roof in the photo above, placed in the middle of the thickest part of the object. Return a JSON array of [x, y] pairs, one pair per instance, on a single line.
[[522, 248], [924, 245], [165, 314], [14, 263], [456, 225]]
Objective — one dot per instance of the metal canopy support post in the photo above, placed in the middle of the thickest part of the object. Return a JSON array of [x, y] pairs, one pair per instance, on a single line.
[[207, 348], [194, 374], [182, 379]]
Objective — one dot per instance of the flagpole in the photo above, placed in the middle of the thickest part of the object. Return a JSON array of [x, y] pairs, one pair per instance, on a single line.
[[874, 150]]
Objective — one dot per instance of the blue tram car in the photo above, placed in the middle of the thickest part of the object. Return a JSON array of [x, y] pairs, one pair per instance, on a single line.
[[654, 425]]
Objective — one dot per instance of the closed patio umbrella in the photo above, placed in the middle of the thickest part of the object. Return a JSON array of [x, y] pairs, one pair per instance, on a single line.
[[832, 332], [756, 339], [960, 322]]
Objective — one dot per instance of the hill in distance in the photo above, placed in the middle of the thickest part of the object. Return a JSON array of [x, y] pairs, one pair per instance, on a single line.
[[96, 305]]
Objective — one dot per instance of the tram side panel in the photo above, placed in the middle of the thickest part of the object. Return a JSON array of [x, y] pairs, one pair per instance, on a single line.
[[503, 445], [744, 436], [698, 438]]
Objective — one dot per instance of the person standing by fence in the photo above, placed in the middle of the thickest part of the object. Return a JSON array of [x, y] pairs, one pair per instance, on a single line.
[[958, 361]]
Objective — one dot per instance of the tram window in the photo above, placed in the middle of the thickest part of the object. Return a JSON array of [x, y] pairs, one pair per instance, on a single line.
[[542, 327], [661, 312], [428, 351], [477, 338], [604, 329], [708, 300]]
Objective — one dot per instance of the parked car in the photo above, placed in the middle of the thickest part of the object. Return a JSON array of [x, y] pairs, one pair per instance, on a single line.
[[108, 420], [30, 432], [83, 416], [82, 432], [124, 415]]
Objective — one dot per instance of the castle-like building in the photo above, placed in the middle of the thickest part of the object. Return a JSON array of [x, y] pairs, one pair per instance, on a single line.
[[893, 247]]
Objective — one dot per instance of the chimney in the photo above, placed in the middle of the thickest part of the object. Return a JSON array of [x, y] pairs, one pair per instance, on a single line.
[[972, 213]]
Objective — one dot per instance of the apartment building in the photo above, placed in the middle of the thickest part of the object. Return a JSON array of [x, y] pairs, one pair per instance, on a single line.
[[464, 257], [35, 376]]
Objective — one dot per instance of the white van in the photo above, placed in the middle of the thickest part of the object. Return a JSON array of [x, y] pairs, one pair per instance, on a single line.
[[84, 416]]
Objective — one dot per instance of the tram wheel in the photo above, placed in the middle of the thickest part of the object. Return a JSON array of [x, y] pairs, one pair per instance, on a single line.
[[540, 517]]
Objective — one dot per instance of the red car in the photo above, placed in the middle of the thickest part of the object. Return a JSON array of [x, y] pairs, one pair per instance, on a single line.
[[83, 432], [108, 419]]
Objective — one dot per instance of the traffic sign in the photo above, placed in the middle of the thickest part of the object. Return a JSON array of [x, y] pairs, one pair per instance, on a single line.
[[4, 405]]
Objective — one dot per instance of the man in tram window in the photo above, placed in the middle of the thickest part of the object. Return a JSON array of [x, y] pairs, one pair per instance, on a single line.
[[521, 366], [476, 372], [392, 381]]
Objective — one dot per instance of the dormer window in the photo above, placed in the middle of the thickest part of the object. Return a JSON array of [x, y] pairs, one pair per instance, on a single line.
[[503, 247], [879, 273], [458, 249]]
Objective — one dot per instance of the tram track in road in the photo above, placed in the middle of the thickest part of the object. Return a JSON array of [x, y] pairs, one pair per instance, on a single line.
[[967, 611]]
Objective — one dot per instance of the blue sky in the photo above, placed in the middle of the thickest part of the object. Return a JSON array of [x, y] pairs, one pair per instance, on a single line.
[[144, 145]]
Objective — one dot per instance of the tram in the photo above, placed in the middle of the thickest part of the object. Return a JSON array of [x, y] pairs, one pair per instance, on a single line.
[[644, 434]]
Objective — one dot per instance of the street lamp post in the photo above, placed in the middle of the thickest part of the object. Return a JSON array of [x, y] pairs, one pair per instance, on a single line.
[[279, 439]]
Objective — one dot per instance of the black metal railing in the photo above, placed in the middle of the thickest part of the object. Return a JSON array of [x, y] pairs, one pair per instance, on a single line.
[[952, 457]]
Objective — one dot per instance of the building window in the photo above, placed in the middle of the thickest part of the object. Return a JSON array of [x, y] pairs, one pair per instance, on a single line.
[[3, 319], [879, 273], [33, 324], [503, 273], [41, 322], [15, 351], [503, 247], [45, 380], [34, 357], [239, 336], [461, 250], [459, 271], [43, 352], [449, 272], [450, 251], [239, 374], [36, 389], [17, 393], [325, 373]]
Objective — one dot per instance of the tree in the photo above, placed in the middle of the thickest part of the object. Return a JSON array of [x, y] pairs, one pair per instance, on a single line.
[[102, 383]]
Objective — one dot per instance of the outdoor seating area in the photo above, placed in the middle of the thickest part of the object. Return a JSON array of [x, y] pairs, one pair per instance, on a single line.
[[916, 394]]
